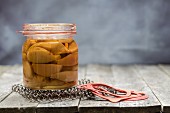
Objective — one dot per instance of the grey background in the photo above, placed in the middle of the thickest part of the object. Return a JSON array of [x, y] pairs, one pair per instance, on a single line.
[[109, 31]]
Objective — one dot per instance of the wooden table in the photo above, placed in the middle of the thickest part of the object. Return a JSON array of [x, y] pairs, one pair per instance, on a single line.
[[151, 79]]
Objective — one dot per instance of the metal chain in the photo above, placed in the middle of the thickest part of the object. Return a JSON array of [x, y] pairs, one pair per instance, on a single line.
[[44, 96]]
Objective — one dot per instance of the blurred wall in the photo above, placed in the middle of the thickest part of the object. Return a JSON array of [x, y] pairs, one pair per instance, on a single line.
[[109, 31]]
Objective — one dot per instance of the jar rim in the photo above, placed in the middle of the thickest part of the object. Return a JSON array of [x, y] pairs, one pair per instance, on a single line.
[[48, 28]]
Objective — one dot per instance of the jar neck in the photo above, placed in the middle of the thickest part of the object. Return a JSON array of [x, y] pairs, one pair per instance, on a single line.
[[50, 36]]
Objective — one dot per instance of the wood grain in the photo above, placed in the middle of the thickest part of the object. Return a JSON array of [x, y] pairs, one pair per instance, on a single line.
[[13, 102], [122, 77], [10, 76], [98, 73], [166, 69], [153, 80], [81, 72], [126, 77], [159, 82], [4, 68]]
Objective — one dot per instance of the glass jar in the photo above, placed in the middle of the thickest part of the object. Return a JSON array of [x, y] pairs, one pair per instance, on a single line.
[[50, 56]]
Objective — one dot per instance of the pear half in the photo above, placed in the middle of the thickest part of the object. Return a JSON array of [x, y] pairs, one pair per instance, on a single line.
[[66, 76], [39, 55], [46, 69], [73, 47], [69, 60], [27, 44], [54, 47], [27, 69]]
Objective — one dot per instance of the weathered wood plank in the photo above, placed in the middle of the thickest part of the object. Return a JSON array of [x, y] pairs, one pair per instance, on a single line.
[[81, 72], [93, 69], [4, 68], [129, 78], [15, 69], [166, 69], [103, 74], [69, 106], [11, 76], [15, 103], [126, 77], [158, 81]]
